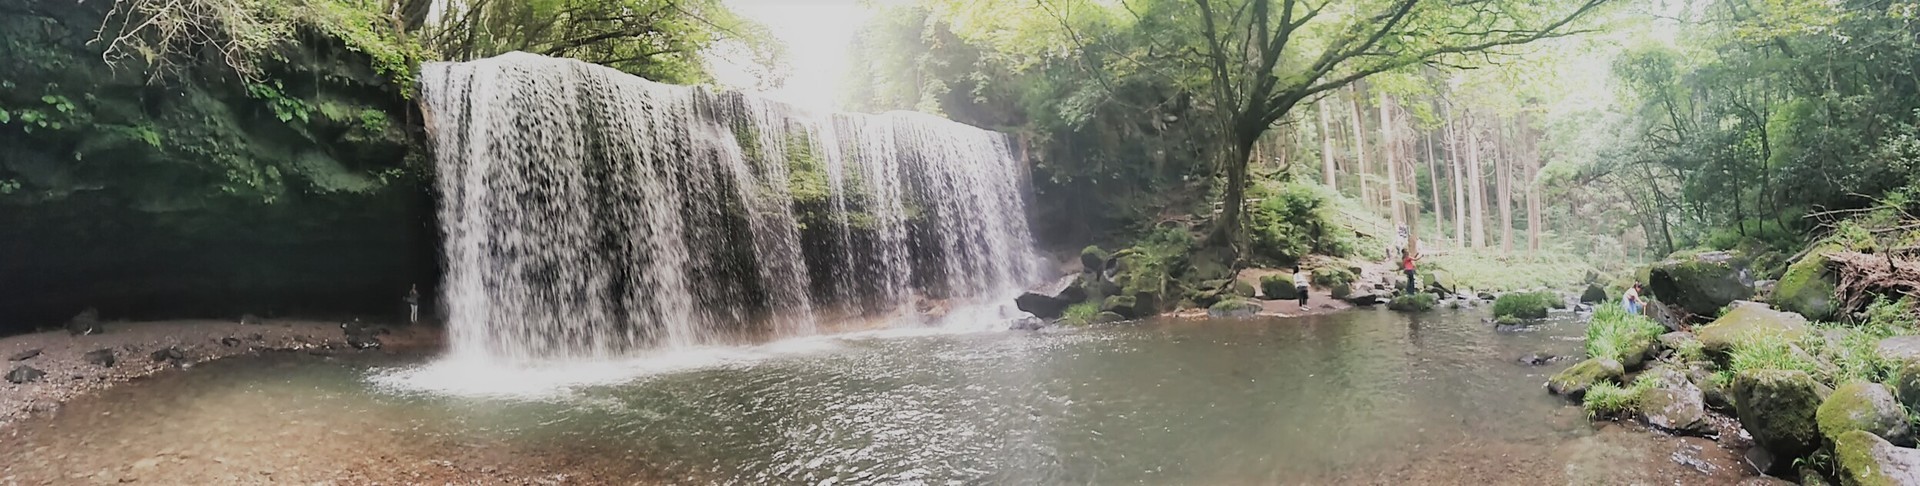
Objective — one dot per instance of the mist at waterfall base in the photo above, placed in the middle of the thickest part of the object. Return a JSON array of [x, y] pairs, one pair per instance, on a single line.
[[595, 220]]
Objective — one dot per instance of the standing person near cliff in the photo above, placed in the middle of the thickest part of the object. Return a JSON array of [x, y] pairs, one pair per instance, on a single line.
[[413, 304]]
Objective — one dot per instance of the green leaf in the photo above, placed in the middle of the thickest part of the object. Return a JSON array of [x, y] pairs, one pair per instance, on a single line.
[[50, 99], [5, 117]]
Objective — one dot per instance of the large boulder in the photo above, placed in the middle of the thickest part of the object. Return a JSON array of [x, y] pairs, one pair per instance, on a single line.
[[1777, 407], [1124, 305], [1807, 287], [1906, 382], [1676, 340], [1051, 301], [1746, 321], [1899, 349], [1438, 282], [1864, 406], [1700, 283], [1362, 297], [1524, 305], [1233, 309], [1279, 287], [1575, 380], [86, 323], [103, 357], [1865, 459], [1674, 403], [1093, 259], [1420, 302], [1593, 295]]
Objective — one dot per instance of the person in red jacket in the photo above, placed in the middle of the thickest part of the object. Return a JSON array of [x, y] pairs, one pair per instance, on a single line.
[[1406, 265]]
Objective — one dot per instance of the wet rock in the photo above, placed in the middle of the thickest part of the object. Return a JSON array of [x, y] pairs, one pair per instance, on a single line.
[[230, 341], [1777, 407], [1028, 324], [86, 323], [1486, 296], [1593, 295], [1676, 340], [1538, 359], [102, 357], [1674, 403], [1700, 283], [169, 353], [24, 355], [1636, 353], [1042, 306], [363, 341], [1421, 302], [1747, 321], [1861, 458], [1125, 305], [1108, 317], [1864, 406], [1279, 287], [1233, 309], [1899, 349], [1575, 380], [1363, 298], [24, 374], [1438, 282]]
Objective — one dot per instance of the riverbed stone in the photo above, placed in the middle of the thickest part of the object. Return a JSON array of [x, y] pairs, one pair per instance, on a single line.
[[1807, 287], [103, 357], [1899, 349], [1674, 403], [1864, 406], [1676, 340], [170, 353], [1420, 302], [1861, 458], [1778, 407], [1124, 305], [24, 355], [1438, 281], [1028, 323], [1593, 295], [1537, 359], [1234, 308], [1575, 380], [1746, 321], [1278, 287], [1041, 305], [1700, 283], [1637, 352], [24, 374], [85, 323], [1093, 259], [1108, 317], [1363, 298]]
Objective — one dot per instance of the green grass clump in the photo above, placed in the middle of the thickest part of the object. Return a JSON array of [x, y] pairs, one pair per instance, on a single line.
[[1081, 313], [1692, 350], [1331, 276], [1613, 332], [1607, 399], [1773, 352], [1524, 305]]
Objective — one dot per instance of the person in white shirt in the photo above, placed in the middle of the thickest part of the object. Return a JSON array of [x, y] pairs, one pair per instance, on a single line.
[[1300, 282]]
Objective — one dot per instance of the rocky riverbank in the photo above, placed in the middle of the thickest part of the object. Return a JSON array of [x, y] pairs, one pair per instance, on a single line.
[[46, 369]]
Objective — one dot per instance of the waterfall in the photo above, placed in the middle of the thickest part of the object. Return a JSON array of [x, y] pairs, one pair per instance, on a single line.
[[590, 214]]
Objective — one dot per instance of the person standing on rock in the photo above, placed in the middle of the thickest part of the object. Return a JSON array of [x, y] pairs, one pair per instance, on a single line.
[[413, 304], [1406, 265], [1300, 282], [1632, 299]]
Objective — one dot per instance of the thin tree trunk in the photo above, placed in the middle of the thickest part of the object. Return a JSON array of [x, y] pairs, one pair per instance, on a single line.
[[1503, 184], [1389, 149], [1359, 144], [1327, 169], [1433, 185], [1476, 188], [1459, 196], [1533, 192]]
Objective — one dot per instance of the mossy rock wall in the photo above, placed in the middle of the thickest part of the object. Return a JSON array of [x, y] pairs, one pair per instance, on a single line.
[[202, 195]]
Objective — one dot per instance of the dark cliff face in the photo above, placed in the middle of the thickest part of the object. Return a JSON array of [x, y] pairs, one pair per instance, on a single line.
[[304, 190]]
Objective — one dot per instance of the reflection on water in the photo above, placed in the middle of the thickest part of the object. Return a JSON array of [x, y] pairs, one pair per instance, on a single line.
[[1356, 397]]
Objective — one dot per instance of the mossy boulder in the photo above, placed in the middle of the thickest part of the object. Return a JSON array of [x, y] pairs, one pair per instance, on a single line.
[[1143, 279], [1242, 289], [1420, 302], [1331, 276], [1341, 291], [1524, 305], [1778, 408], [1864, 459], [1107, 317], [1125, 305], [1278, 287], [1674, 403], [1807, 287], [1906, 383], [1233, 308], [1438, 281], [1093, 259], [1636, 352], [1747, 321], [1575, 380], [1864, 406], [1676, 340], [1700, 283], [1593, 295]]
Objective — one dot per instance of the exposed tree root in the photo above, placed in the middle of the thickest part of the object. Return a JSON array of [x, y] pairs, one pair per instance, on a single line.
[[1862, 277]]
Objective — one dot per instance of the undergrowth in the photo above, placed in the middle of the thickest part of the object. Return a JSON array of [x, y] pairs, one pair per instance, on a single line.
[[1613, 332], [1081, 313]]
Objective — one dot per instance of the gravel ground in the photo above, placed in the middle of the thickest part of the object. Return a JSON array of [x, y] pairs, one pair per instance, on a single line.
[[138, 350]]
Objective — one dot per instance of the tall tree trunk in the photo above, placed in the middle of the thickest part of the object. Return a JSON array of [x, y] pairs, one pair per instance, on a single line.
[[1476, 188], [1459, 196], [1389, 149], [1433, 186], [1327, 170], [1359, 145], [1228, 228], [1533, 192], [1503, 174]]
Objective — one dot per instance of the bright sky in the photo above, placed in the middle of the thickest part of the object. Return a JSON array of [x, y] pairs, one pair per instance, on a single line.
[[817, 34]]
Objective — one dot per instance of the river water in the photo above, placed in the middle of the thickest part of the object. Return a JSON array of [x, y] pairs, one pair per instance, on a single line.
[[1366, 397]]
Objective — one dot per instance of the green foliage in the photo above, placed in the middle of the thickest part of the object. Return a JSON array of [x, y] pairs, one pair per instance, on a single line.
[[1692, 350], [1772, 352], [1485, 270], [1524, 305], [1607, 399], [1332, 276], [1417, 302], [1612, 333], [1274, 286], [284, 107], [662, 40], [1081, 313]]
